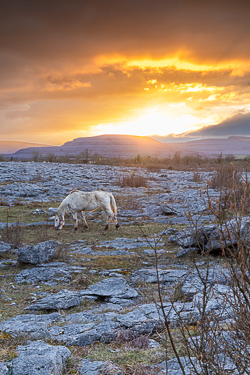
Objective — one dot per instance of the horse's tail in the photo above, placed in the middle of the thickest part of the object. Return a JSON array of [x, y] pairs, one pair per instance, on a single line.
[[112, 203]]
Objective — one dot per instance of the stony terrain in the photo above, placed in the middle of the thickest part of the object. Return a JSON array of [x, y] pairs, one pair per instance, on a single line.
[[84, 302]]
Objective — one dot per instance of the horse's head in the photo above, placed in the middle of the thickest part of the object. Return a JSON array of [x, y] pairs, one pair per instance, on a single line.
[[59, 221]]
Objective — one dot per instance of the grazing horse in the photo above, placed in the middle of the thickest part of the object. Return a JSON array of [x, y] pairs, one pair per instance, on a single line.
[[78, 201]]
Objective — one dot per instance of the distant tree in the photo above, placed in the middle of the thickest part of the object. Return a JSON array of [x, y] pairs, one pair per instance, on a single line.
[[3, 158], [36, 155], [51, 157]]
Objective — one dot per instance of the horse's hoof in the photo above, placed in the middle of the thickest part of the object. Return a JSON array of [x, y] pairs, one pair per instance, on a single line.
[[75, 229], [117, 226], [86, 228], [106, 227]]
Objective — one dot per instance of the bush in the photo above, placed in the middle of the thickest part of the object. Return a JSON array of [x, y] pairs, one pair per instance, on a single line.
[[134, 179]]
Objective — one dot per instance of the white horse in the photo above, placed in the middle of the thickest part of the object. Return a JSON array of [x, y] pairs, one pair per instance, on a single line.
[[78, 201]]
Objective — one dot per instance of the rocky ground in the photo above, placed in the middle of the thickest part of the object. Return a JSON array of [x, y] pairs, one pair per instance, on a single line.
[[86, 302]]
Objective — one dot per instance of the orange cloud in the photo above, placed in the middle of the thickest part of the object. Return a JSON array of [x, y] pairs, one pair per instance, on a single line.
[[71, 68]]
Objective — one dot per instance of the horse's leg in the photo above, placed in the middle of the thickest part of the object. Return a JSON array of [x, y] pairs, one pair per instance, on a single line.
[[80, 214], [114, 218], [110, 215], [75, 220]]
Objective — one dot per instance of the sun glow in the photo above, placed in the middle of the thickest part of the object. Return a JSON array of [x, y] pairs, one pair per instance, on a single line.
[[154, 121]]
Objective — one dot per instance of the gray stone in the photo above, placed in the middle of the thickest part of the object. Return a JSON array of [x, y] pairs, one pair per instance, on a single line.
[[39, 253], [4, 247], [45, 274], [186, 251], [3, 369], [149, 275], [211, 238], [40, 358], [85, 334], [88, 316], [97, 367], [61, 300], [34, 326], [114, 287], [194, 282], [175, 369]]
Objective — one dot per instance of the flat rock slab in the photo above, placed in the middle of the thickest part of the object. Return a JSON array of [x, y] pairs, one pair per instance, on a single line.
[[89, 251], [147, 275], [87, 367], [148, 317], [51, 274], [129, 244], [34, 326], [39, 253], [114, 287], [84, 334], [40, 358], [61, 300], [4, 247]]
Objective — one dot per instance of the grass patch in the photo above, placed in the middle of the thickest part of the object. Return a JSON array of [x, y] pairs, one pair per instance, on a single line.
[[35, 234]]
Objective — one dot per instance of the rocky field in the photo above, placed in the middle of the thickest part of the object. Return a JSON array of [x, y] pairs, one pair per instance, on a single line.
[[87, 302]]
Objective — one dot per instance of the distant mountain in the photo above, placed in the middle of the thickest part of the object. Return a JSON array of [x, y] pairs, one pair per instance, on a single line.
[[235, 145], [130, 146], [105, 145], [9, 147]]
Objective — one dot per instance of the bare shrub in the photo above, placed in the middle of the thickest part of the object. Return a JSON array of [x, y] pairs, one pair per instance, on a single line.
[[13, 234], [225, 177], [129, 337], [124, 336], [134, 179], [140, 342], [197, 176]]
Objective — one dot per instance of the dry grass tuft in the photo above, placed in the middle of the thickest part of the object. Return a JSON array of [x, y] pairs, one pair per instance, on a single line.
[[132, 180]]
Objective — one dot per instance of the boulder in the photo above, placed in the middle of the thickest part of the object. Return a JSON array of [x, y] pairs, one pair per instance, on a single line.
[[84, 334], [39, 253], [209, 238], [4, 247], [114, 287], [40, 358], [49, 274], [34, 326], [61, 300]]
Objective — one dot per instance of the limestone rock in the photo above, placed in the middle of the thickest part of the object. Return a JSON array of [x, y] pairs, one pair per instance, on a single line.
[[50, 274], [114, 287], [40, 358], [35, 326], [97, 367], [149, 275], [4, 247], [61, 300], [39, 253]]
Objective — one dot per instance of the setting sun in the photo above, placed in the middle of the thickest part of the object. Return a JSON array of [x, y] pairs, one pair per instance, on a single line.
[[153, 121]]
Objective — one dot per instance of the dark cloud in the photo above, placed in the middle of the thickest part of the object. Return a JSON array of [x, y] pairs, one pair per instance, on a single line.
[[43, 30], [239, 124]]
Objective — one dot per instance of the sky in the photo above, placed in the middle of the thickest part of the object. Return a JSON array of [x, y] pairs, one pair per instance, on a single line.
[[79, 68]]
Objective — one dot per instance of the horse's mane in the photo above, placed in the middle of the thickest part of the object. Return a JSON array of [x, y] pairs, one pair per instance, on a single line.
[[72, 191]]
